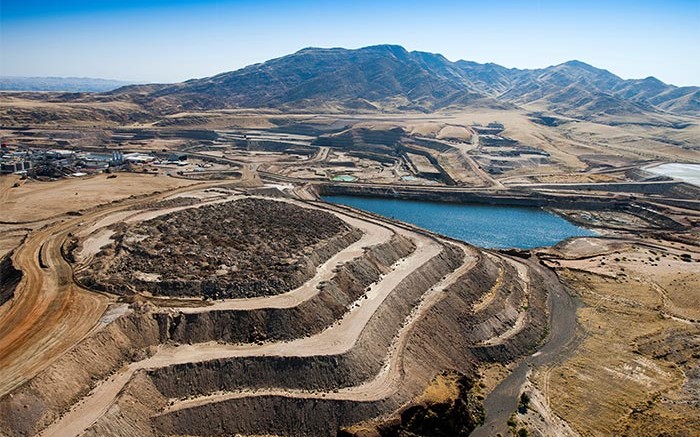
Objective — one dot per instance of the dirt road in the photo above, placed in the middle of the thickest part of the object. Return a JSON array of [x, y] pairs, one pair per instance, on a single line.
[[49, 313], [503, 400]]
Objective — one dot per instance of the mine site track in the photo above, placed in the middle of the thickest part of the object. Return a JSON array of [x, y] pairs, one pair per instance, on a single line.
[[474, 166], [666, 308], [67, 311], [45, 294]]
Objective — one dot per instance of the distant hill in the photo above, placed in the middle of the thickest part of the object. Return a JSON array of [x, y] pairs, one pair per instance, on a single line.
[[370, 78], [578, 89], [388, 77], [60, 84]]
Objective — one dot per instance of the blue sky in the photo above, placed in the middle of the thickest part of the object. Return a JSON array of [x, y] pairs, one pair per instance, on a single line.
[[169, 41]]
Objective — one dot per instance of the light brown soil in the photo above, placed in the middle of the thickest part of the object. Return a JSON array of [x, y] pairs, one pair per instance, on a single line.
[[634, 372], [608, 387], [34, 201]]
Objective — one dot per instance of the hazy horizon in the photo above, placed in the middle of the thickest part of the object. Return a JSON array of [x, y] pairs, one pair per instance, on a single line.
[[159, 41]]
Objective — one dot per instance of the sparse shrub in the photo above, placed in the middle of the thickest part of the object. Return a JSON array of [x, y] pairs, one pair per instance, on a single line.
[[524, 403]]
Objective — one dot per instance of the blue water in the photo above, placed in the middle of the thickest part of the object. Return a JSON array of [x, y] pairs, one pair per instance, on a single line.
[[481, 225]]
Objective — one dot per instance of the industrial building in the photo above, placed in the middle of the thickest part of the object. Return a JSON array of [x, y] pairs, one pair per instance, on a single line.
[[15, 165]]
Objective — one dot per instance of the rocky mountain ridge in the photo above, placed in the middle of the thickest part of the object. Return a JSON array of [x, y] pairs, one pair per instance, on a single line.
[[388, 77]]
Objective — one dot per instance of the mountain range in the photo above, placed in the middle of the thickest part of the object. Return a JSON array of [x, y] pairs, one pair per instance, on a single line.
[[388, 77], [64, 84]]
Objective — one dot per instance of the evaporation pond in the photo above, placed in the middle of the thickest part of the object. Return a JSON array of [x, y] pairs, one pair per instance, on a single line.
[[686, 172]]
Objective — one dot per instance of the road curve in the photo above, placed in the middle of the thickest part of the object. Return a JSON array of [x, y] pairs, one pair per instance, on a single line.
[[49, 313], [503, 400]]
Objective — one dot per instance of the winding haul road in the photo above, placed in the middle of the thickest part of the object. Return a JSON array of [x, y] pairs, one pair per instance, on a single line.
[[49, 313], [503, 400]]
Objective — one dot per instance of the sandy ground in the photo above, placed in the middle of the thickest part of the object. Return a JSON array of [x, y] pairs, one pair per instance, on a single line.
[[34, 201], [631, 291]]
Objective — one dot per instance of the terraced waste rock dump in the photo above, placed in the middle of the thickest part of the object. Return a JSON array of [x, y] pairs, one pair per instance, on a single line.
[[375, 326]]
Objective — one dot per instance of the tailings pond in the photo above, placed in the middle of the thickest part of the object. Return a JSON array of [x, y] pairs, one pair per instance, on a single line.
[[686, 172], [487, 226]]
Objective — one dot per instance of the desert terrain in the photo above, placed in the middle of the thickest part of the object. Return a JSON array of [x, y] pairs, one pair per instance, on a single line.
[[174, 270]]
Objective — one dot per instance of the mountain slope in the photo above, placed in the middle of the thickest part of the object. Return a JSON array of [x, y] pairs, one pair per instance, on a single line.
[[578, 89], [387, 77]]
